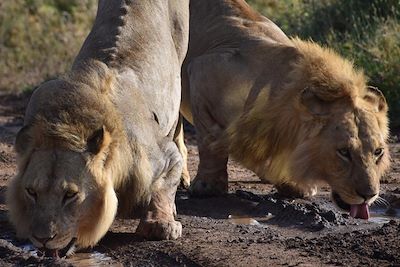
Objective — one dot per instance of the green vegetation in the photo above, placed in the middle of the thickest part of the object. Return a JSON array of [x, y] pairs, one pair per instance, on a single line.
[[39, 38], [366, 31]]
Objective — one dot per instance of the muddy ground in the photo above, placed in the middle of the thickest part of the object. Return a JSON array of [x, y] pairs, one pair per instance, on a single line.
[[251, 226]]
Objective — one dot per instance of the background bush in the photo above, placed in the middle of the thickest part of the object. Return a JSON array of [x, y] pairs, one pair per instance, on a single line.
[[39, 38], [366, 31]]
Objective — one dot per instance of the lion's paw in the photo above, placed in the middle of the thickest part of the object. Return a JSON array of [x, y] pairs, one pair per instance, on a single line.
[[206, 188], [159, 230]]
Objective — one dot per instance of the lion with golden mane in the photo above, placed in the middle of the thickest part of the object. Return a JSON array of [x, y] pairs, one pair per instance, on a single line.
[[101, 138], [295, 113]]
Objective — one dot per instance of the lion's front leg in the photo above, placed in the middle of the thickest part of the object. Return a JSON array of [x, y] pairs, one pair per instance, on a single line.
[[159, 222]]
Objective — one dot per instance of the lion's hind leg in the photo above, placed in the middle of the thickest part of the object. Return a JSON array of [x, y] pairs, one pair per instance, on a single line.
[[159, 222], [180, 143], [212, 175]]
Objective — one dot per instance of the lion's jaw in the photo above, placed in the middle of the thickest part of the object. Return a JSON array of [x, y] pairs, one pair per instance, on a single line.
[[58, 199]]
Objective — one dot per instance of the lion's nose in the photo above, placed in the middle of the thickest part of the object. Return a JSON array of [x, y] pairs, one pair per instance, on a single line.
[[44, 240]]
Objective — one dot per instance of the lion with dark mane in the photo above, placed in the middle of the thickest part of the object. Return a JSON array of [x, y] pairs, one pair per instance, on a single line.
[[101, 138], [295, 113]]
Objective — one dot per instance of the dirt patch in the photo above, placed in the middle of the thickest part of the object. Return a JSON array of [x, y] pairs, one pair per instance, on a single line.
[[250, 226], [377, 247]]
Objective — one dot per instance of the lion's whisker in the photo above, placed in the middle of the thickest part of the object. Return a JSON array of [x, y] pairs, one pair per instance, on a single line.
[[382, 202]]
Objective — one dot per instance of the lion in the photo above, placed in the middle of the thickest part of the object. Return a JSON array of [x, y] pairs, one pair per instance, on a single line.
[[100, 140], [295, 113]]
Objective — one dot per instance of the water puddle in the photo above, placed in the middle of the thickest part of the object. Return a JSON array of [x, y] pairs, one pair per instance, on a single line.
[[80, 259], [259, 221], [29, 248], [379, 219], [92, 259], [383, 215], [378, 215]]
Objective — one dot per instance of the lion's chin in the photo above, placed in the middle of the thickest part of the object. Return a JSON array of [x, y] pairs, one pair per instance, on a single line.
[[360, 211], [52, 253], [60, 253]]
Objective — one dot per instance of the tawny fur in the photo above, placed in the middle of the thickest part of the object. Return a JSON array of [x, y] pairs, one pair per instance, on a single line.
[[282, 107]]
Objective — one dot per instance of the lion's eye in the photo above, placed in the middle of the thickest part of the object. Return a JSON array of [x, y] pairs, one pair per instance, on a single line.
[[70, 194], [344, 153], [69, 197], [31, 193], [378, 152]]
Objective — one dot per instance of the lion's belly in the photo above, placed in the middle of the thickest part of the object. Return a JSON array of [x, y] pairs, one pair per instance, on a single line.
[[216, 89]]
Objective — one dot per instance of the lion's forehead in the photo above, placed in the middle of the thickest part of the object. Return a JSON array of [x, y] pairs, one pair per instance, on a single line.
[[51, 185], [52, 171], [371, 134], [360, 130]]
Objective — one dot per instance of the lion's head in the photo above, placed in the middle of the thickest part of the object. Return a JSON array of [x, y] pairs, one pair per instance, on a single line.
[[349, 149], [322, 124], [63, 192], [347, 126]]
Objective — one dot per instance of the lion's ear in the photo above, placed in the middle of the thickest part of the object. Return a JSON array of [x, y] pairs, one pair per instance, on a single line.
[[97, 141], [376, 98], [314, 104], [23, 139]]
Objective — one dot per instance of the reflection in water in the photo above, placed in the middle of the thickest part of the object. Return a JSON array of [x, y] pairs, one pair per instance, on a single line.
[[92, 259], [30, 249], [80, 259], [378, 215], [383, 215], [379, 219], [243, 220], [236, 219]]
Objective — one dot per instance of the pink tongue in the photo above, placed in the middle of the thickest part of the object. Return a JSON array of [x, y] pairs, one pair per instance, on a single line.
[[359, 211]]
